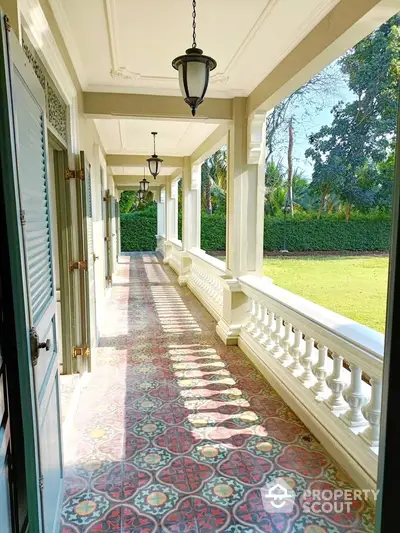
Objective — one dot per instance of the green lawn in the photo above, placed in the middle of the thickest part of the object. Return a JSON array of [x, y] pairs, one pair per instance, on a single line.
[[352, 286]]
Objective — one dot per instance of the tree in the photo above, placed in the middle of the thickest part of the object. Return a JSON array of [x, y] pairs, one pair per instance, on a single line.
[[213, 179], [127, 201], [290, 167], [310, 98], [348, 155]]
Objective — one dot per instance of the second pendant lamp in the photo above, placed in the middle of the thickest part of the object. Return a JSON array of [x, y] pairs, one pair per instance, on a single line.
[[154, 161]]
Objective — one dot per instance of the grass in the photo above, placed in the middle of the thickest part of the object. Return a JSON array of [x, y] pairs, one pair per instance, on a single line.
[[352, 286]]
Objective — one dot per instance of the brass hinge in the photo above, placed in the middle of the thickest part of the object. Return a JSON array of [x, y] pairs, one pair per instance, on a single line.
[[108, 278], [7, 22], [80, 351], [107, 239], [73, 174], [78, 265]]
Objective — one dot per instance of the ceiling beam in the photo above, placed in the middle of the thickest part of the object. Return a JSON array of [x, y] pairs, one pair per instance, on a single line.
[[210, 145], [344, 26], [125, 180], [122, 105], [135, 160]]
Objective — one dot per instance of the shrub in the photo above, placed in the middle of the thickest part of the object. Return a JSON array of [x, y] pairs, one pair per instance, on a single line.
[[303, 233], [138, 232], [359, 234]]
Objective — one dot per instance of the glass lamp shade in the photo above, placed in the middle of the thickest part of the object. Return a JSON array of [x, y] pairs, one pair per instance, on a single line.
[[144, 185], [140, 195], [194, 74], [154, 163]]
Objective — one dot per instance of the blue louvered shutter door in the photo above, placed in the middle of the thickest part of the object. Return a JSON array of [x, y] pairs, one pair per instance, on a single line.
[[35, 203], [31, 153]]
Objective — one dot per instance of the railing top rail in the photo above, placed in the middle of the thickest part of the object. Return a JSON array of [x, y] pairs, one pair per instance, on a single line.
[[363, 337], [215, 263], [177, 243]]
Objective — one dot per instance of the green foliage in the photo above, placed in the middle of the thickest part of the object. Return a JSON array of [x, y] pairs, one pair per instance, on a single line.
[[304, 232], [348, 155], [213, 232], [138, 231], [328, 233], [127, 201]]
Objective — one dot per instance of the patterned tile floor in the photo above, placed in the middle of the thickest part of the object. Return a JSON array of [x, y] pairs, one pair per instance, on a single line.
[[178, 433]]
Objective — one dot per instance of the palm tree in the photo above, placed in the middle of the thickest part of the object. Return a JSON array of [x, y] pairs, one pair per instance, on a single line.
[[213, 178]]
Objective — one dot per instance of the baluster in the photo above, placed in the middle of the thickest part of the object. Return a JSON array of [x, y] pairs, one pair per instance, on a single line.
[[276, 338], [336, 384], [307, 377], [320, 371], [260, 321], [286, 358], [251, 314], [355, 398], [372, 412], [267, 342], [296, 368]]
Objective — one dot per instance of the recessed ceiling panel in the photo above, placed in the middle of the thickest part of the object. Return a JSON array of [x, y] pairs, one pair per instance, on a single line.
[[128, 45], [131, 136]]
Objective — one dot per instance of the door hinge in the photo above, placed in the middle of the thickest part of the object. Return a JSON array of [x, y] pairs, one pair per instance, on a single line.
[[109, 278], [73, 174], [7, 23], [78, 265], [80, 351], [41, 483], [22, 217]]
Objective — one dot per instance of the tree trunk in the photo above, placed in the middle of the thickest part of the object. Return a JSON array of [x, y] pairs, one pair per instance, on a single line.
[[347, 210], [290, 166], [324, 193], [208, 195]]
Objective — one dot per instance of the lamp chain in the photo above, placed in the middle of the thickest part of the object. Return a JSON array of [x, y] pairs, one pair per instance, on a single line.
[[194, 45]]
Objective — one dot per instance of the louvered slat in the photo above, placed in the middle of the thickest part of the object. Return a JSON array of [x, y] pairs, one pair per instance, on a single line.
[[34, 199]]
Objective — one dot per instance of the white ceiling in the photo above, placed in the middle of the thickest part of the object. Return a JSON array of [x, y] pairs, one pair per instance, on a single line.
[[134, 136], [128, 45], [138, 171]]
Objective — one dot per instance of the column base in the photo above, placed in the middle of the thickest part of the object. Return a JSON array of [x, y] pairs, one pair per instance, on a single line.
[[228, 333], [182, 280]]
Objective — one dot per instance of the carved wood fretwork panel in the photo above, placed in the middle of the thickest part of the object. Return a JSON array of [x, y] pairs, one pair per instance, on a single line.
[[56, 108]]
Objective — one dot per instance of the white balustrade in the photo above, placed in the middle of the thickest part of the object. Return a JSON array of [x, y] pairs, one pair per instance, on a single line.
[[327, 367], [174, 256], [205, 280]]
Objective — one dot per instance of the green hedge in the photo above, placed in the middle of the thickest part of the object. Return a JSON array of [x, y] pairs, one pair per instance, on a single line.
[[138, 232], [327, 234], [362, 233]]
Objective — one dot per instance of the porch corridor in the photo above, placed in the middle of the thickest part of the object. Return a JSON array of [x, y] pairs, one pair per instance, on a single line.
[[178, 433]]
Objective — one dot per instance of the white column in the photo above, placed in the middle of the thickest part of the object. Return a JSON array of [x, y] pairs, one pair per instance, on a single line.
[[161, 214], [170, 216], [245, 213], [191, 205], [246, 182], [171, 208]]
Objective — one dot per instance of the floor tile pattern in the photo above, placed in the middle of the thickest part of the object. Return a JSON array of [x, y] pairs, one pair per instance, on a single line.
[[178, 433]]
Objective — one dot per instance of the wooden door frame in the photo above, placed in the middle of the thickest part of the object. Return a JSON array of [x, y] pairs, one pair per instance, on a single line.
[[65, 252]]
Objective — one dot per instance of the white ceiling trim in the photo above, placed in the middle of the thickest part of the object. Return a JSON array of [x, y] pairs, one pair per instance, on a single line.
[[315, 17], [121, 72], [70, 42], [109, 9]]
